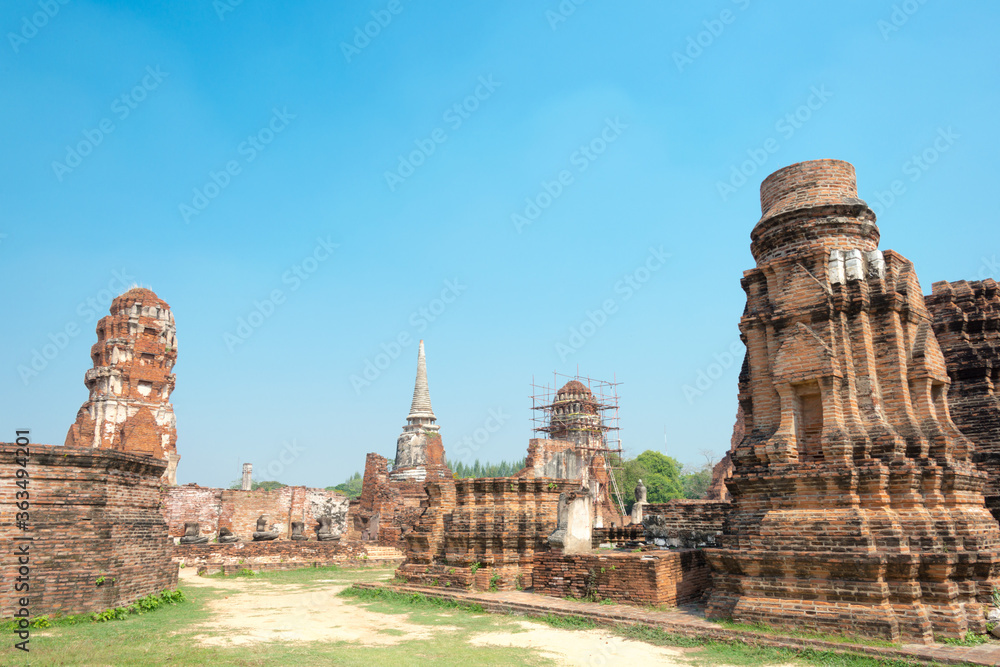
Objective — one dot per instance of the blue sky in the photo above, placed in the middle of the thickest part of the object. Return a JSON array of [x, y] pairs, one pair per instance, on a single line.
[[217, 152]]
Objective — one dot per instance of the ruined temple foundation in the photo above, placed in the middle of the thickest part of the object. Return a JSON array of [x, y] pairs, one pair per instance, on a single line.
[[967, 325], [857, 507]]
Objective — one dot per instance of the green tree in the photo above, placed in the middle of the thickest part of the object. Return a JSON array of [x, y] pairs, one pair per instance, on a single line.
[[663, 481], [351, 488], [254, 485], [696, 483]]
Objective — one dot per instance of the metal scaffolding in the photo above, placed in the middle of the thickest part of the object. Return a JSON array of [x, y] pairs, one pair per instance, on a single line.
[[592, 422]]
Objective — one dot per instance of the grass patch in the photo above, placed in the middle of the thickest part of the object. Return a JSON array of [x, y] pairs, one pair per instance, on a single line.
[[395, 602], [566, 622], [970, 639], [172, 636]]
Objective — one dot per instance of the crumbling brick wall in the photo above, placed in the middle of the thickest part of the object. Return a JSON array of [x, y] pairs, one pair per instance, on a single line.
[[283, 554], [685, 523], [472, 530], [967, 325], [387, 508], [648, 578], [238, 510], [723, 470], [99, 537]]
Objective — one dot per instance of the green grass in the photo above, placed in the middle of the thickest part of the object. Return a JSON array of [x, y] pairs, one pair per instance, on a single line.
[[970, 639], [169, 636]]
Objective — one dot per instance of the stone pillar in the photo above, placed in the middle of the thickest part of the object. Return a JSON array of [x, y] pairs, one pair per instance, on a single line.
[[247, 476]]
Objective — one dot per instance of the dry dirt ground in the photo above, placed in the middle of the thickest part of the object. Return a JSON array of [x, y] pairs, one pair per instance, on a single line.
[[259, 611]]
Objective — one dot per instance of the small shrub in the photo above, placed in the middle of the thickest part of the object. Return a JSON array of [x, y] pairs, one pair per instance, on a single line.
[[41, 622], [245, 572], [495, 581], [100, 580], [475, 567]]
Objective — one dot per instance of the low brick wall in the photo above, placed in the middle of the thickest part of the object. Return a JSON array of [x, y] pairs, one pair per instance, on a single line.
[[483, 532], [659, 577], [238, 510], [94, 517], [283, 555], [690, 524]]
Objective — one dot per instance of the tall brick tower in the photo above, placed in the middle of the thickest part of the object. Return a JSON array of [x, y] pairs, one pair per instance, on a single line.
[[419, 452], [857, 507], [129, 406], [967, 324]]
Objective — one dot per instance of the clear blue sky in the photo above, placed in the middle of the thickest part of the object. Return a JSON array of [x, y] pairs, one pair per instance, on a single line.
[[309, 118]]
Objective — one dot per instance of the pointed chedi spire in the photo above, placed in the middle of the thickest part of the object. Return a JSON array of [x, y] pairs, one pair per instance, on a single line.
[[421, 410]]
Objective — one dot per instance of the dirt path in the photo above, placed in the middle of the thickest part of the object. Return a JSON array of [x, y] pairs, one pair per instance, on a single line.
[[258, 611]]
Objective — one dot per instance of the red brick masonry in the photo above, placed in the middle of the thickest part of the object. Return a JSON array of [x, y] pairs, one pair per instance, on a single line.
[[856, 504], [653, 577], [238, 510], [282, 554], [94, 513]]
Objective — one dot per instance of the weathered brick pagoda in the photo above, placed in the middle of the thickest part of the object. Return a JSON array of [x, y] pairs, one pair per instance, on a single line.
[[967, 324], [857, 508], [129, 406]]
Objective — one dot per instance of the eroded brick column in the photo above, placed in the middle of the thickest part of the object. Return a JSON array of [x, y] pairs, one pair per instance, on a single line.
[[857, 507], [129, 407]]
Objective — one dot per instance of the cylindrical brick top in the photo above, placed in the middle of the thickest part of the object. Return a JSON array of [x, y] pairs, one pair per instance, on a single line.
[[812, 205], [808, 184]]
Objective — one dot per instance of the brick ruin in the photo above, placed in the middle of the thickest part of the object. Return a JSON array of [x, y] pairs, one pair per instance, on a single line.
[[98, 537], [129, 406], [723, 470], [857, 507], [575, 448], [238, 510], [390, 502], [668, 578], [474, 529], [967, 324]]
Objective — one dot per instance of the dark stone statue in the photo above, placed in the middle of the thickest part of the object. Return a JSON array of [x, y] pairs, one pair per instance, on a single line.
[[297, 527], [262, 534], [226, 536], [324, 531], [192, 534]]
